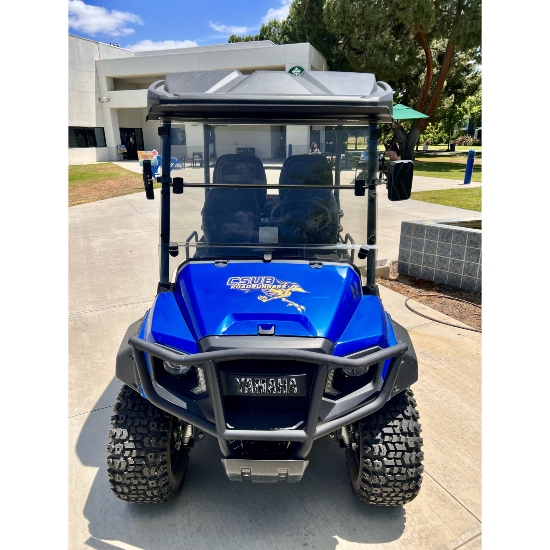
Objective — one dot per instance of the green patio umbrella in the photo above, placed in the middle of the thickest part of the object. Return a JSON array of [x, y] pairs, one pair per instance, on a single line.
[[402, 112]]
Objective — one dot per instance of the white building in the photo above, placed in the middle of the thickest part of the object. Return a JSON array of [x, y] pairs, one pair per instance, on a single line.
[[108, 97]]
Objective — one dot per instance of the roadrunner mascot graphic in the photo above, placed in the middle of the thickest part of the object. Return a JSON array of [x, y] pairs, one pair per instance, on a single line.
[[270, 288]]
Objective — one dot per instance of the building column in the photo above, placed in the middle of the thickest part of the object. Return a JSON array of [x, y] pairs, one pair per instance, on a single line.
[[322, 140], [112, 130], [299, 137], [110, 116], [194, 138]]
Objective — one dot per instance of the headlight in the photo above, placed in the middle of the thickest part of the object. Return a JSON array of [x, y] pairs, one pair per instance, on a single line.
[[172, 368], [356, 372], [176, 369]]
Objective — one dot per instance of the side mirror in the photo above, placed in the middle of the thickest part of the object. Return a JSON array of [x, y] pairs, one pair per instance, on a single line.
[[148, 180], [400, 180]]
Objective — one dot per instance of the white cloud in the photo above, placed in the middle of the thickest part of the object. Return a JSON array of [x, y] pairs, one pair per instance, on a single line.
[[273, 13], [92, 20], [149, 45], [277, 13], [228, 29]]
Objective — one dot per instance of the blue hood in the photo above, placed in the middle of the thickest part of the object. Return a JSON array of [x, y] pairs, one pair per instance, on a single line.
[[298, 299]]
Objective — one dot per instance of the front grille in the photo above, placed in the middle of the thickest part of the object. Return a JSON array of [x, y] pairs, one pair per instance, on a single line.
[[265, 412], [259, 405]]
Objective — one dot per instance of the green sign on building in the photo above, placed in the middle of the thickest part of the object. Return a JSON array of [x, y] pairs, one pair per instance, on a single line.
[[296, 70]]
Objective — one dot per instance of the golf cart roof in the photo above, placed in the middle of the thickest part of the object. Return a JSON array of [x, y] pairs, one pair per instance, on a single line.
[[271, 97]]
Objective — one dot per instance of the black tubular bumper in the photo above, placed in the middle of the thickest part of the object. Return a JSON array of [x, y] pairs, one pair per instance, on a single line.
[[312, 430]]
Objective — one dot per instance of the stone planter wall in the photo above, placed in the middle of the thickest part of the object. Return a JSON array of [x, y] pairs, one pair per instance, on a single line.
[[442, 251]]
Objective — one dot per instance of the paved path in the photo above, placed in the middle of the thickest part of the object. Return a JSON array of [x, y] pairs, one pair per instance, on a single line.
[[113, 273]]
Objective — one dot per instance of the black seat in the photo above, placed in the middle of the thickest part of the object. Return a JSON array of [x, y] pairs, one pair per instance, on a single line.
[[305, 170], [245, 169], [230, 216], [306, 216]]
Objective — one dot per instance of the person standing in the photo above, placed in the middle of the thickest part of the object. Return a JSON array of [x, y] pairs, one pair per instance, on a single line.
[[393, 152], [314, 150]]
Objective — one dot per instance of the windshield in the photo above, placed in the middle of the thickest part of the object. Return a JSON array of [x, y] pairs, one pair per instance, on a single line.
[[280, 198]]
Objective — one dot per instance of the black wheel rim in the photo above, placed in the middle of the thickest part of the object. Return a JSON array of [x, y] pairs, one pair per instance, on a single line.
[[353, 453], [176, 442], [356, 440]]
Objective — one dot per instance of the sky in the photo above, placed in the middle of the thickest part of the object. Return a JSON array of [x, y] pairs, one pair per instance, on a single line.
[[144, 25]]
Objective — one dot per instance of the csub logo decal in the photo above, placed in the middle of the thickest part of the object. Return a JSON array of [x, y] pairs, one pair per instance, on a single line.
[[270, 288]]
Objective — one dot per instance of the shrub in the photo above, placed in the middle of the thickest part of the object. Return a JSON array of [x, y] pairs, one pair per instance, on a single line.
[[434, 134], [464, 140]]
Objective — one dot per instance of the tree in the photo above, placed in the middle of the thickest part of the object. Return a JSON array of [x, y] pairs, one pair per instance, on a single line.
[[452, 112], [472, 108], [429, 51], [235, 38], [422, 48], [454, 115], [279, 32], [307, 19]]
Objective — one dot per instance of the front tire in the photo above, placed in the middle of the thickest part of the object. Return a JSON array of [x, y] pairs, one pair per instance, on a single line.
[[147, 461], [385, 458]]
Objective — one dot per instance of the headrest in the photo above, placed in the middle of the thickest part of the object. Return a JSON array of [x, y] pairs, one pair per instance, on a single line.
[[305, 170], [241, 169]]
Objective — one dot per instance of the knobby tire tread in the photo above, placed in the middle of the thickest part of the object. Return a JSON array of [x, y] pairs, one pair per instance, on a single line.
[[390, 469], [138, 462]]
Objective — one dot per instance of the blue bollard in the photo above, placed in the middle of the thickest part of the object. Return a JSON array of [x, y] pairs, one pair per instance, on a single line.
[[469, 166], [290, 149]]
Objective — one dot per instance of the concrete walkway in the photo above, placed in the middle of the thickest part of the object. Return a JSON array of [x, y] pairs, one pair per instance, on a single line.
[[113, 275]]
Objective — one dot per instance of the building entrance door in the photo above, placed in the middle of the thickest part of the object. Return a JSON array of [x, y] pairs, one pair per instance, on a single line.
[[278, 142], [132, 138]]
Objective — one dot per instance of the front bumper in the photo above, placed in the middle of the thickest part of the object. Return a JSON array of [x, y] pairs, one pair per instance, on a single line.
[[313, 429]]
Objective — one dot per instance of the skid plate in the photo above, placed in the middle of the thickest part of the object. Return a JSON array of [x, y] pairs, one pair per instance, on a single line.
[[265, 471]]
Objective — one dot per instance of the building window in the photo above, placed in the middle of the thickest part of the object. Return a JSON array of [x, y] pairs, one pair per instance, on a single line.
[[86, 137]]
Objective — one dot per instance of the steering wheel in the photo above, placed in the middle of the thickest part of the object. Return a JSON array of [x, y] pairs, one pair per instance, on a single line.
[[318, 211]]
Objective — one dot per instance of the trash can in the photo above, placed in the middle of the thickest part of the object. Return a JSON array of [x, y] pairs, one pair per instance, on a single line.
[[452, 147]]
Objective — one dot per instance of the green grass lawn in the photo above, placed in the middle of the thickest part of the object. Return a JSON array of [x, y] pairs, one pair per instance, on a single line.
[[469, 199], [440, 164], [87, 173], [94, 182], [459, 148], [447, 169]]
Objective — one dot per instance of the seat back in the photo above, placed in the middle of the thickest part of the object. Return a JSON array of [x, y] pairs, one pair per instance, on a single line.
[[307, 218], [310, 215], [242, 169], [231, 216], [305, 170]]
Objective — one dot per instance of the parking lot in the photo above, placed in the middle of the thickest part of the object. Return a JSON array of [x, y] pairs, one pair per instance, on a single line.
[[113, 277]]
